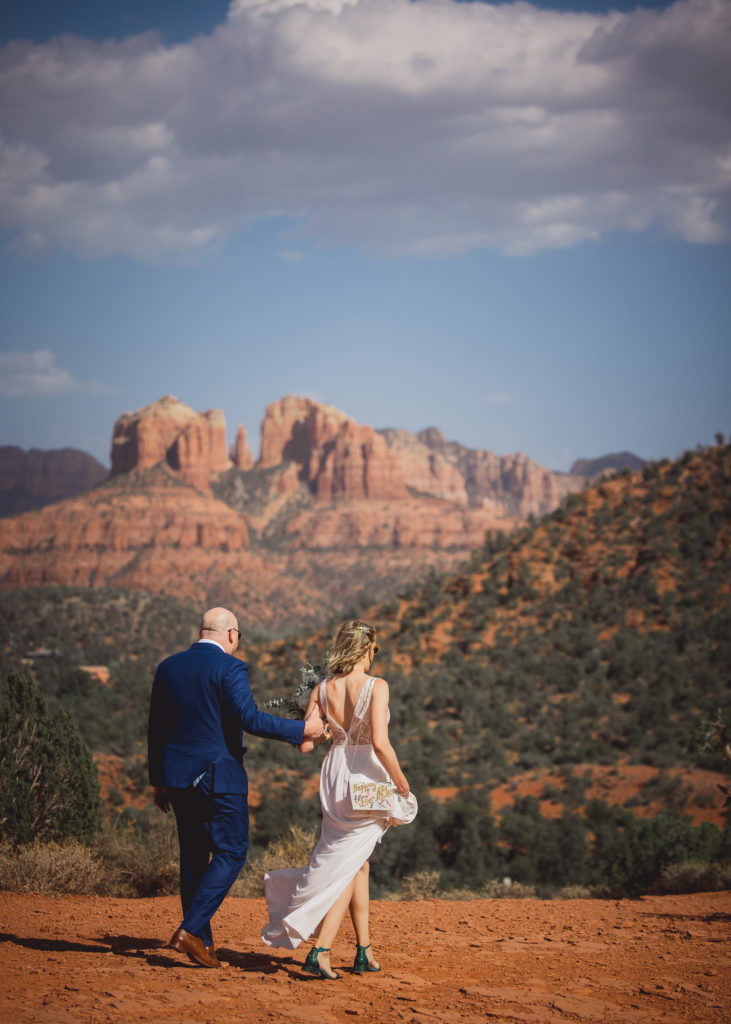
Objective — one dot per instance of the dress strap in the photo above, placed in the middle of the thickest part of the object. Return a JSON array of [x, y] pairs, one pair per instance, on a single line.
[[322, 696]]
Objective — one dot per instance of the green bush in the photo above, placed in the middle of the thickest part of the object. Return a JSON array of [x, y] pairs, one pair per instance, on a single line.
[[49, 785]]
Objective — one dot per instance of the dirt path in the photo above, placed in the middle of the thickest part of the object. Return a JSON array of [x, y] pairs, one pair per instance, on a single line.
[[87, 960]]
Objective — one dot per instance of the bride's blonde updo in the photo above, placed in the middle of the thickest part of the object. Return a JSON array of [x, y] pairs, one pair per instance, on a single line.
[[351, 641]]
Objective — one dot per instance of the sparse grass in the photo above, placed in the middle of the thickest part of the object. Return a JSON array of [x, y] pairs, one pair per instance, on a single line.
[[574, 892], [292, 850], [137, 865], [51, 868], [694, 876], [498, 889], [117, 863], [423, 885]]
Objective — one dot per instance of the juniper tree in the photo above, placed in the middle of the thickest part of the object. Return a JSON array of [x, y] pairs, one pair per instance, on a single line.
[[49, 786]]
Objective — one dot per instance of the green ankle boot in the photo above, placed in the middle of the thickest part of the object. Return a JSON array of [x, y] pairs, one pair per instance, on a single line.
[[361, 964]]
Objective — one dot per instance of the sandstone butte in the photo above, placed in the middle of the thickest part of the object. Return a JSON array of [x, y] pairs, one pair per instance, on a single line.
[[169, 431], [322, 484], [339, 459]]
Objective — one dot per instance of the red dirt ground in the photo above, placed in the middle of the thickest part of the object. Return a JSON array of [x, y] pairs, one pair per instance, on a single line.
[[88, 960]]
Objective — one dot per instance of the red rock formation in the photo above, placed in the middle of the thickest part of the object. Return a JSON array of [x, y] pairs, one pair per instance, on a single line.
[[35, 478], [338, 458], [92, 540], [426, 471], [168, 430], [418, 524], [241, 453], [293, 428], [514, 482], [387, 503]]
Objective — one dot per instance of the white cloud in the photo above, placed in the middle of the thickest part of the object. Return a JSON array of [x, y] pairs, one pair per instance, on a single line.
[[429, 128], [35, 375]]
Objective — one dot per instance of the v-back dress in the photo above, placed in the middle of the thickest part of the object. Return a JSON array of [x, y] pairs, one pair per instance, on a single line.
[[299, 898]]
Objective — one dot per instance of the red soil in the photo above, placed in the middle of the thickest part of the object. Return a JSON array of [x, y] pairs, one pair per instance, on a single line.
[[88, 960]]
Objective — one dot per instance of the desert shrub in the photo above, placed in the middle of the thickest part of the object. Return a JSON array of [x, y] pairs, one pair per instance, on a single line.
[[631, 855], [292, 850], [573, 892], [421, 886], [139, 865], [49, 786], [50, 868], [694, 876], [550, 852], [504, 888]]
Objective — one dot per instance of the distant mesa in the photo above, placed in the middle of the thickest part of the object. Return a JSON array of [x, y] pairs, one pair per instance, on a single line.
[[615, 463], [311, 444], [169, 431], [31, 479], [336, 458], [329, 502]]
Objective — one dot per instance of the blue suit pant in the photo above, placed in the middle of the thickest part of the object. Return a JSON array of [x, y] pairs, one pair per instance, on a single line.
[[213, 833]]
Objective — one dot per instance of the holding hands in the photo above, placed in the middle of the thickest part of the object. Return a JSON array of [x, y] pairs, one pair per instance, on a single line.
[[315, 727]]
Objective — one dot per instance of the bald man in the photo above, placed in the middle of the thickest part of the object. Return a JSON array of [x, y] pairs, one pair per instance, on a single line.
[[201, 703]]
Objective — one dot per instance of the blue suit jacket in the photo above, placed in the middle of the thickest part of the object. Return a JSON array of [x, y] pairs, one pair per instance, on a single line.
[[201, 701]]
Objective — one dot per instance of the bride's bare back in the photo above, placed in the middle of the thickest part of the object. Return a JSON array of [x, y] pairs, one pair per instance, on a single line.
[[342, 696]]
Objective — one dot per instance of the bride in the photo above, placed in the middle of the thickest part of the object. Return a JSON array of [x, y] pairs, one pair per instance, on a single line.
[[301, 901]]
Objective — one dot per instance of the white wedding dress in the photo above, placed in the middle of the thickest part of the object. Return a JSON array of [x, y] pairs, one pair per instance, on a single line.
[[299, 898]]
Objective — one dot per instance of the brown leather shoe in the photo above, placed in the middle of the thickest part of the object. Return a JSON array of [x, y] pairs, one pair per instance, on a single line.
[[192, 946]]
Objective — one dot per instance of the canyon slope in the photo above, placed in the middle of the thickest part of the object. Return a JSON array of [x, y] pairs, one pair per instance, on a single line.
[[332, 511]]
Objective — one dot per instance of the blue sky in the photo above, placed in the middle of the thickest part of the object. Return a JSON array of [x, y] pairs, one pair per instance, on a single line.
[[508, 222]]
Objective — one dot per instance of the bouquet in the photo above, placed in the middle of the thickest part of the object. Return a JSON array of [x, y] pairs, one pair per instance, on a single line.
[[297, 700]]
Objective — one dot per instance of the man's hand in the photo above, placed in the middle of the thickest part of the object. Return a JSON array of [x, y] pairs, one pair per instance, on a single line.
[[161, 798], [314, 726]]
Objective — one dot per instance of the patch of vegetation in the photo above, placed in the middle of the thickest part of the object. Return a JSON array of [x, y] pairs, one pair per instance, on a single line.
[[49, 788], [49, 632]]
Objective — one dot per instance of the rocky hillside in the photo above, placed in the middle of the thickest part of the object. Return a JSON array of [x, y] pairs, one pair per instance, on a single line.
[[544, 695], [331, 511], [598, 635], [31, 479]]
